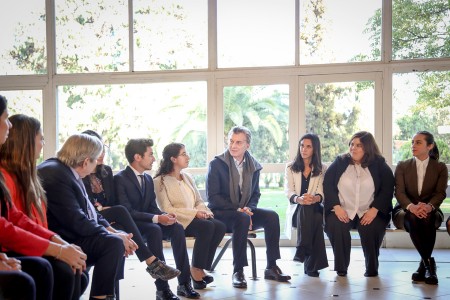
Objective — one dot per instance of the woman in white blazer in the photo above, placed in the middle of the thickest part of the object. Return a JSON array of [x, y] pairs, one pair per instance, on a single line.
[[304, 190], [177, 193]]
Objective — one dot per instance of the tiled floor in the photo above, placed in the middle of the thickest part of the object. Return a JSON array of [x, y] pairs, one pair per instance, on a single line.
[[393, 282]]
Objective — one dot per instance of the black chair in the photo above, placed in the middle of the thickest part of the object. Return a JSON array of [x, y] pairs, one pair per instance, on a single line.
[[251, 235]]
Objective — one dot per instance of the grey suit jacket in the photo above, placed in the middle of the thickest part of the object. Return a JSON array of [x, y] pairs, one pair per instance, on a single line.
[[433, 188]]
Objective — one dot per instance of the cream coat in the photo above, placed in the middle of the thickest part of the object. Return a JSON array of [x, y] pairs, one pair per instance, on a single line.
[[171, 198], [293, 186]]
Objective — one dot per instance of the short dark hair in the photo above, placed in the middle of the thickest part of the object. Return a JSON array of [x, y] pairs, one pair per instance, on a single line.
[[241, 129], [137, 146], [3, 104], [92, 133]]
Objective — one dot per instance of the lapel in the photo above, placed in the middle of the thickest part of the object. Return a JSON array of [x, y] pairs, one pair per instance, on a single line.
[[430, 176], [146, 197], [411, 173], [133, 178]]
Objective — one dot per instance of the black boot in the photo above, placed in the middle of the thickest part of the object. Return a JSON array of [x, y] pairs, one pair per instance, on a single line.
[[419, 275], [430, 271]]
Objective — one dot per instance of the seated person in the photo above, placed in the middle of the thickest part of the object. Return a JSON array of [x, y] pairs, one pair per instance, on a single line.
[[233, 193], [100, 188], [134, 190], [176, 193], [18, 157], [420, 189], [71, 214], [15, 284]]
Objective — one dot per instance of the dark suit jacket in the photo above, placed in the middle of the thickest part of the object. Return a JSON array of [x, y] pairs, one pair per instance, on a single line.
[[67, 210], [128, 193], [107, 180], [433, 188]]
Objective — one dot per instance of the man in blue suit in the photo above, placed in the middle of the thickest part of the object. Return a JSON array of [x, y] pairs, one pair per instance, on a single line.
[[135, 191], [71, 214]]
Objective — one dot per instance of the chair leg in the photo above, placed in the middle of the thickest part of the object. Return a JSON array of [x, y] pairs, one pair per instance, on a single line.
[[117, 290], [219, 256], [253, 255]]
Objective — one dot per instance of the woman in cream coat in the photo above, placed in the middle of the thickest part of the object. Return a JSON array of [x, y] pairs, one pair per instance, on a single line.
[[303, 188], [176, 193]]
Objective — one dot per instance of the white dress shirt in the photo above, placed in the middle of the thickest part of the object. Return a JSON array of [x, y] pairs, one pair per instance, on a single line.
[[421, 166]]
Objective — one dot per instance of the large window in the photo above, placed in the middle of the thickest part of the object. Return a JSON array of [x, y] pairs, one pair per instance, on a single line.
[[22, 47], [165, 112], [421, 101], [27, 102]]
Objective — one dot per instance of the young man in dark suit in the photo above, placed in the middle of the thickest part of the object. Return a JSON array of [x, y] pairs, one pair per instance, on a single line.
[[135, 191]]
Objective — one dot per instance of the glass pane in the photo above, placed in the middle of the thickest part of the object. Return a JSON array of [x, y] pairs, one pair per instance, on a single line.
[[420, 101], [22, 49], [420, 29], [27, 102], [165, 112], [272, 195], [339, 31], [335, 111], [91, 36], [264, 109], [170, 34], [255, 33]]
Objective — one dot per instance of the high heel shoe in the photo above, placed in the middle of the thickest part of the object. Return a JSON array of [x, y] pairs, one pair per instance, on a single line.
[[208, 279], [198, 284]]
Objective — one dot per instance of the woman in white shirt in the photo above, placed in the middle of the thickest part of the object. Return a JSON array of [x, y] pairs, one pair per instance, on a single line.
[[177, 193], [304, 190], [358, 188]]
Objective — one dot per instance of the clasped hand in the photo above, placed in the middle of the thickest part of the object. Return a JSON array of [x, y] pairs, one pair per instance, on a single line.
[[9, 263], [421, 210], [167, 219], [203, 214]]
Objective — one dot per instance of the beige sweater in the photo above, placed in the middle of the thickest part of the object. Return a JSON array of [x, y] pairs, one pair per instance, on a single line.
[[172, 197]]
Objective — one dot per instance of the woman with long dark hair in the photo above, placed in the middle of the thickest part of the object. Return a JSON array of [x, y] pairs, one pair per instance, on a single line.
[[18, 167], [177, 193], [304, 190], [358, 188], [420, 188], [22, 237]]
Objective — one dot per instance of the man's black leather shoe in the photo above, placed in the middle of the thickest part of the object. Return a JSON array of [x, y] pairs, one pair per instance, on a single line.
[[275, 273], [239, 280], [187, 291], [166, 295], [159, 270]]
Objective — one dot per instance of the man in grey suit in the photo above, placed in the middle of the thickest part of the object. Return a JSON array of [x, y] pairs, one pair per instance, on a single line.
[[135, 191]]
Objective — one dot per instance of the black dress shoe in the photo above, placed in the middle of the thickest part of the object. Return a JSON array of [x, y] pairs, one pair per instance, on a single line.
[[342, 273], [159, 270], [275, 273], [239, 280], [208, 279], [371, 274], [312, 273], [166, 295], [430, 271], [187, 291], [198, 284]]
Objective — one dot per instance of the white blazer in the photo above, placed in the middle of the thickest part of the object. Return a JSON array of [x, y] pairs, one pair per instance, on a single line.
[[171, 198], [293, 186]]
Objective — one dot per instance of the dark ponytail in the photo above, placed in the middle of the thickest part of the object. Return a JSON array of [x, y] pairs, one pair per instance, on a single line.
[[429, 138]]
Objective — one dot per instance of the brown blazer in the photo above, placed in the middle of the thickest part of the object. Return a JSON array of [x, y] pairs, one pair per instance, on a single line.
[[434, 183]]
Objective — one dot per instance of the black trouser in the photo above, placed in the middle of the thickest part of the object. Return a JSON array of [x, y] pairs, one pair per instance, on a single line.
[[371, 239], [310, 240], [238, 223], [422, 233], [154, 234], [105, 252], [16, 285], [41, 272], [208, 235], [119, 218]]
